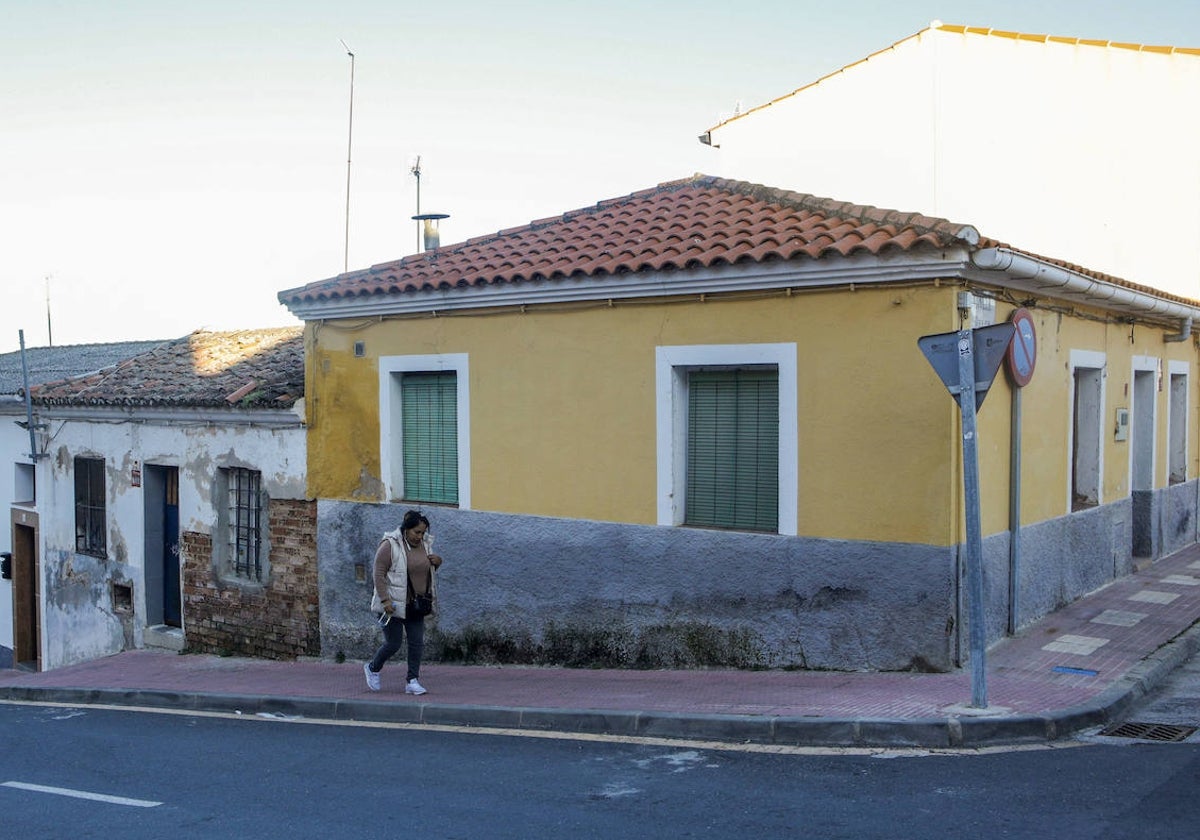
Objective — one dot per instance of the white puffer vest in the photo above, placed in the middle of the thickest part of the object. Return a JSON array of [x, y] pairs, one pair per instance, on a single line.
[[397, 576]]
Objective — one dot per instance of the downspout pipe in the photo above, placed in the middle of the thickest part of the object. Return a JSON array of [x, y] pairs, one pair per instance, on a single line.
[[1184, 333], [1052, 278]]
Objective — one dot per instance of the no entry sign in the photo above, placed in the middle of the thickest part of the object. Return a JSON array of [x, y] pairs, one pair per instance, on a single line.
[[1022, 351]]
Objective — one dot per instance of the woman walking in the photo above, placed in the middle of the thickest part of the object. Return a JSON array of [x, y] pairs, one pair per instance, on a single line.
[[404, 591]]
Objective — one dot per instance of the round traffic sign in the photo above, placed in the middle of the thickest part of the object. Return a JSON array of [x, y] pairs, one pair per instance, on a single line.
[[1021, 357]]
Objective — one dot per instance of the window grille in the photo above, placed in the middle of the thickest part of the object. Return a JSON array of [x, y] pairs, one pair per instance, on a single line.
[[90, 514], [244, 488]]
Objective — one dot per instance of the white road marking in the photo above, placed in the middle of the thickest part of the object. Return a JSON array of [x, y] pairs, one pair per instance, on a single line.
[[550, 735], [83, 794]]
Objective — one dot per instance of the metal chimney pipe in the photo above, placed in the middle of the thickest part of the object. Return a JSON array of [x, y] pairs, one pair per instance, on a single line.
[[430, 224]]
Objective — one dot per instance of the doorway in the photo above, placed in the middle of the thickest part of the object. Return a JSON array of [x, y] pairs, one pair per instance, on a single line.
[[1141, 459], [27, 648], [161, 500]]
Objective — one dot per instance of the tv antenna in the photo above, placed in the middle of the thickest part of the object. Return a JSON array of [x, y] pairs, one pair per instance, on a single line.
[[416, 171]]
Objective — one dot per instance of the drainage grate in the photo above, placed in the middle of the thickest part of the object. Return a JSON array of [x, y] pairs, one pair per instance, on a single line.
[[1149, 731]]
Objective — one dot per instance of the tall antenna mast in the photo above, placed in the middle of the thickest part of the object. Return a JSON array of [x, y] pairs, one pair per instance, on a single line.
[[49, 328], [349, 146], [416, 171]]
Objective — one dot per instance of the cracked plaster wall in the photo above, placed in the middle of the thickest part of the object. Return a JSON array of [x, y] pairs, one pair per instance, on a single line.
[[803, 602], [81, 618]]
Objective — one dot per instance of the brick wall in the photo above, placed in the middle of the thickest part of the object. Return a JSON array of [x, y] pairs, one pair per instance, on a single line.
[[278, 619]]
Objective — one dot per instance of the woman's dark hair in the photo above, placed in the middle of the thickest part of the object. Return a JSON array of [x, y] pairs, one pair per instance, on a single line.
[[412, 519]]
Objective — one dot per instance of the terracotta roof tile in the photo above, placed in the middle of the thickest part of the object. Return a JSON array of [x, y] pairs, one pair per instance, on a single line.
[[242, 369], [699, 221], [50, 364]]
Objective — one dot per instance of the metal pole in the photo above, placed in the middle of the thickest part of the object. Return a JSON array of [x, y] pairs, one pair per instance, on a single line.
[[966, 404], [1014, 513], [349, 147], [28, 401], [49, 326], [416, 171]]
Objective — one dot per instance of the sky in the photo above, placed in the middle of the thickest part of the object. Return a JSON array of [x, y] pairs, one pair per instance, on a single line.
[[168, 166]]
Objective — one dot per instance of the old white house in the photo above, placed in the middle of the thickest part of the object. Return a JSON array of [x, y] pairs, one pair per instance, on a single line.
[[171, 503]]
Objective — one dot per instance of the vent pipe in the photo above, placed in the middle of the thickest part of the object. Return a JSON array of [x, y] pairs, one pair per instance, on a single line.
[[429, 222]]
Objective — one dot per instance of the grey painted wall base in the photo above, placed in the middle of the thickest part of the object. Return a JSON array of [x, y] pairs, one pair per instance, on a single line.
[[570, 592], [525, 588], [1064, 559]]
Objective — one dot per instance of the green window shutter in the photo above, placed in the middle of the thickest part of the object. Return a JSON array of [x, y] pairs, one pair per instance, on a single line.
[[430, 416], [733, 449]]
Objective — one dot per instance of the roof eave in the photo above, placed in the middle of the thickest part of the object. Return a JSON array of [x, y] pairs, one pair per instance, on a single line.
[[866, 269]]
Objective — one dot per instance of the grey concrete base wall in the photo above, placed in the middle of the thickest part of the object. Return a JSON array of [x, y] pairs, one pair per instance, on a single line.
[[1178, 525], [646, 596], [1063, 559], [1059, 561], [1164, 520]]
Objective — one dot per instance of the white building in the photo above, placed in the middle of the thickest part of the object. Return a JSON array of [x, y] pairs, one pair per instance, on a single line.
[[17, 484], [1063, 145], [171, 506]]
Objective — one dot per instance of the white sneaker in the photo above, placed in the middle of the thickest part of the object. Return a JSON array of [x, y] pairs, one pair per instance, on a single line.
[[413, 687], [372, 677]]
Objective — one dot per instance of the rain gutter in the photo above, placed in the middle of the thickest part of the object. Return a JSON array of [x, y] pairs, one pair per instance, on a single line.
[[1043, 277]]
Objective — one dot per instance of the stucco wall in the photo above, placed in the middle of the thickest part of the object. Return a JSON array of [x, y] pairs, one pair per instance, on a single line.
[[521, 588], [563, 406], [562, 409], [563, 476], [670, 596], [81, 618], [971, 98], [14, 448]]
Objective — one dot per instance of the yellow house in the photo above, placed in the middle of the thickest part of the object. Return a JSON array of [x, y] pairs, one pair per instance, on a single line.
[[692, 426]]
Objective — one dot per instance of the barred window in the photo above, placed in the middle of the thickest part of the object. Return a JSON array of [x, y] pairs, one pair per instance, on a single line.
[[244, 523], [91, 528]]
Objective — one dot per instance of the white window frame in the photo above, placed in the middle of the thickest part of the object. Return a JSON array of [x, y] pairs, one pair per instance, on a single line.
[[671, 367], [1093, 360], [1143, 365], [391, 455], [1184, 369]]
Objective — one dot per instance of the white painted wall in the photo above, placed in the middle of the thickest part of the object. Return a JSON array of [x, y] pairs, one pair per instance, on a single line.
[[14, 448], [78, 622], [1072, 151]]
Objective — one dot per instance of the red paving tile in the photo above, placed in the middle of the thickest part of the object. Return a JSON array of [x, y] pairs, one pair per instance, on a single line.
[[1021, 673]]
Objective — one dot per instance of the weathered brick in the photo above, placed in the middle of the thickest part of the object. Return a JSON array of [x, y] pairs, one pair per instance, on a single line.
[[280, 619]]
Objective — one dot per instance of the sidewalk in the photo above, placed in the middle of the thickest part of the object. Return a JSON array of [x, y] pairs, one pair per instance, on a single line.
[[1077, 668]]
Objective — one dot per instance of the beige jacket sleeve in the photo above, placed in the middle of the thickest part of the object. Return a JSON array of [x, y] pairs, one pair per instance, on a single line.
[[383, 565]]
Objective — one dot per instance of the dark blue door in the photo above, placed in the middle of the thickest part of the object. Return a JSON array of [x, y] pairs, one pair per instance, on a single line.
[[172, 613]]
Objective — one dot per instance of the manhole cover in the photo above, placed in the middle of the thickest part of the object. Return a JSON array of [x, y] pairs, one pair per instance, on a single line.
[[1149, 731]]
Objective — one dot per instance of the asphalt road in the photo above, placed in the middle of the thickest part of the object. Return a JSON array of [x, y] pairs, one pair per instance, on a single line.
[[88, 772]]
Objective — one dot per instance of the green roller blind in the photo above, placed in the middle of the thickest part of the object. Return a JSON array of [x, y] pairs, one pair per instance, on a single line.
[[429, 405], [733, 449]]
